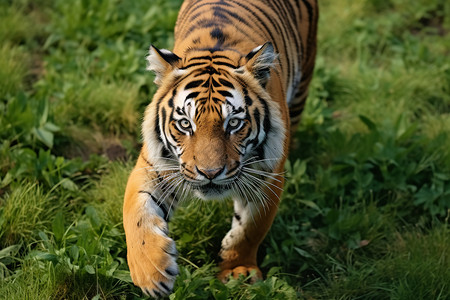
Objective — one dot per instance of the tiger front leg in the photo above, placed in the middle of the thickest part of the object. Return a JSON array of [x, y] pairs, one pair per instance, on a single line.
[[151, 253], [251, 222]]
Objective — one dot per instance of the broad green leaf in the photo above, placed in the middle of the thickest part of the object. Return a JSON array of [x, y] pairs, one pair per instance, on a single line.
[[90, 269], [370, 125], [58, 226], [74, 252], [93, 216], [44, 136]]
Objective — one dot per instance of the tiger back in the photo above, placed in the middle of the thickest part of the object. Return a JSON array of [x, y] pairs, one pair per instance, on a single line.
[[229, 97]]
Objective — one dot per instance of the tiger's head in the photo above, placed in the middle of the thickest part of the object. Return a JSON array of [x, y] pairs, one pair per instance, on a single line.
[[212, 127]]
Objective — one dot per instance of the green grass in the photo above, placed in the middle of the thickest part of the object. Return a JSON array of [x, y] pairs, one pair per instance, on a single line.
[[408, 268], [367, 198], [13, 68], [25, 211]]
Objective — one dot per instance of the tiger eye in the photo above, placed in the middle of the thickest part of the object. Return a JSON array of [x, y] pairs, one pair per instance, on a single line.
[[234, 123], [185, 124]]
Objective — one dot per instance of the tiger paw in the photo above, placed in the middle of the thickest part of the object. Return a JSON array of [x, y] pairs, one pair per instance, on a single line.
[[241, 270], [152, 262]]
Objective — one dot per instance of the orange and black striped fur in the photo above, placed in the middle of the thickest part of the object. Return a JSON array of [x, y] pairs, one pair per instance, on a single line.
[[230, 95]]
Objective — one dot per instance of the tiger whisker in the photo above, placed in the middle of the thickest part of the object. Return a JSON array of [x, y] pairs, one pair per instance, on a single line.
[[186, 191], [164, 178], [179, 185], [263, 173], [244, 197], [255, 160], [166, 182], [260, 193], [254, 166], [160, 169], [161, 178], [264, 182], [250, 194], [257, 186], [162, 158], [260, 197], [153, 169], [170, 188]]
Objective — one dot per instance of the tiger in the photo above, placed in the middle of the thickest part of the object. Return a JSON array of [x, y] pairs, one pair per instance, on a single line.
[[229, 98]]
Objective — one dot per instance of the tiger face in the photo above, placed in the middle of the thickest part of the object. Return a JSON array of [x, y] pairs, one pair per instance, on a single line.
[[212, 126]]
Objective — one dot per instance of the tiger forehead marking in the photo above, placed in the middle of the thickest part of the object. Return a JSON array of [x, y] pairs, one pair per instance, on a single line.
[[207, 99], [207, 96]]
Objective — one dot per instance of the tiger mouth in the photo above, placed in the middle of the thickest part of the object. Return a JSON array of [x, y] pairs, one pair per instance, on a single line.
[[211, 187], [211, 191]]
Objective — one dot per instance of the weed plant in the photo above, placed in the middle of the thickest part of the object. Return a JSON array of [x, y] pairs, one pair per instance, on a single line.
[[366, 205]]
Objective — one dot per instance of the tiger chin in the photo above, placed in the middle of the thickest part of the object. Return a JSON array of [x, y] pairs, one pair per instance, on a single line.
[[229, 98]]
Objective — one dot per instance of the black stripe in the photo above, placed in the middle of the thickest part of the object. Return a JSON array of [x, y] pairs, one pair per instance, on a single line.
[[280, 31], [257, 116], [146, 160], [193, 65], [311, 25], [193, 84], [206, 23], [249, 132], [193, 8], [234, 15], [225, 93], [266, 122], [292, 11], [222, 63], [216, 100], [259, 21], [160, 205], [192, 95], [248, 101], [158, 131], [165, 152], [201, 57], [226, 83], [288, 23], [214, 82], [163, 116], [220, 56], [218, 34], [208, 70], [239, 110]]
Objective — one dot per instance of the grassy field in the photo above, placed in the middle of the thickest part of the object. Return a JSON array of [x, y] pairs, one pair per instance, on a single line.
[[365, 212]]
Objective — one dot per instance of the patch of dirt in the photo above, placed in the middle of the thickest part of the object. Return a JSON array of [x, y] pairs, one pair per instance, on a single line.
[[37, 69], [116, 151], [82, 142]]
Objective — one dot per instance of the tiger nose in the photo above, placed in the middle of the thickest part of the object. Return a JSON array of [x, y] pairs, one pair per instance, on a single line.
[[210, 173]]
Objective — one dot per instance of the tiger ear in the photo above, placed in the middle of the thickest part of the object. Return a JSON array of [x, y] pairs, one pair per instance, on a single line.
[[260, 61], [161, 62]]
